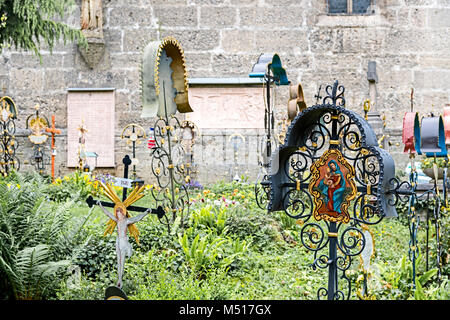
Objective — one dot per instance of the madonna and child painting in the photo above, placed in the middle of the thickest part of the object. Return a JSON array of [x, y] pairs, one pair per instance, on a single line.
[[332, 186]]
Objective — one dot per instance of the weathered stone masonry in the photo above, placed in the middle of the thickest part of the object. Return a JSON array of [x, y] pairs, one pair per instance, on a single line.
[[408, 39]]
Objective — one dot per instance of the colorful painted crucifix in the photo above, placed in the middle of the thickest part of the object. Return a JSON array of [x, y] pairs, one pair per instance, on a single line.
[[121, 217], [53, 131]]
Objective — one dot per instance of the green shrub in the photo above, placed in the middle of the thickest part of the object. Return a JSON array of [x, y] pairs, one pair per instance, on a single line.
[[32, 228]]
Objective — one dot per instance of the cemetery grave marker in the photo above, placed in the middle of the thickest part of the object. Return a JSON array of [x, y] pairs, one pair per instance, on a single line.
[[121, 215], [133, 133], [8, 144], [165, 93], [38, 125], [425, 138], [53, 131], [331, 175], [268, 67]]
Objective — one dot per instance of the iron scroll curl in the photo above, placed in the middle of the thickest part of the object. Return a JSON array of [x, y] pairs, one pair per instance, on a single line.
[[320, 130]]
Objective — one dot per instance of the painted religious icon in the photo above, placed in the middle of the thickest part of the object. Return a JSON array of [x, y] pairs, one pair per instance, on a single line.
[[332, 187], [37, 124]]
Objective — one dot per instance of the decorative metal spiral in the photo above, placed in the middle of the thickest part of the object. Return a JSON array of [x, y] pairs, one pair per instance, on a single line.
[[170, 169], [330, 129], [8, 144]]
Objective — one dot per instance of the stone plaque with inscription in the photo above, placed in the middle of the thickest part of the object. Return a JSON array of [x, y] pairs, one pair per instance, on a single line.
[[96, 109], [225, 108]]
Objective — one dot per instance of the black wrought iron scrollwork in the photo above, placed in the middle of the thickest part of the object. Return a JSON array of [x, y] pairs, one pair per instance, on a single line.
[[315, 133], [38, 123], [334, 95], [39, 159], [8, 143], [169, 167]]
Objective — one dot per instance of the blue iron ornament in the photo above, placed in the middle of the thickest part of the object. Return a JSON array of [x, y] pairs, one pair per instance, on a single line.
[[331, 175], [429, 137], [272, 62]]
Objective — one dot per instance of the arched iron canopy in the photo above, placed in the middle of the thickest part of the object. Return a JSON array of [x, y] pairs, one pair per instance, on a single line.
[[331, 175], [314, 131]]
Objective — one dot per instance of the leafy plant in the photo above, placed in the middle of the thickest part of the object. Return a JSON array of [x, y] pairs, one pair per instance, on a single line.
[[203, 252], [27, 23], [31, 273], [29, 220]]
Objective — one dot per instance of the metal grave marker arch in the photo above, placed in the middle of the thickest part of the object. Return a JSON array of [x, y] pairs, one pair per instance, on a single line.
[[270, 69], [428, 140], [8, 143], [38, 124], [164, 89], [332, 176]]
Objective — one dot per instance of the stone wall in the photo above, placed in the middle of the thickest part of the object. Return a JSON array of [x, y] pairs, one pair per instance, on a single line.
[[408, 39]]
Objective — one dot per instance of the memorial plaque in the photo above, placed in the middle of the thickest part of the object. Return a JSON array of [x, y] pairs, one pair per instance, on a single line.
[[233, 107], [96, 110]]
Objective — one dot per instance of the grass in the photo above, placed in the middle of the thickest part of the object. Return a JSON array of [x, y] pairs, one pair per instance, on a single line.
[[229, 249]]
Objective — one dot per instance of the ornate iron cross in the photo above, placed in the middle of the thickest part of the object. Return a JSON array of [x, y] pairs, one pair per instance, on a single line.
[[38, 125], [8, 144], [331, 175], [53, 131], [133, 133], [159, 211]]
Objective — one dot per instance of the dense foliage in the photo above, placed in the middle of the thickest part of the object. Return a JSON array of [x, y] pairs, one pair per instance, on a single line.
[[27, 23], [53, 248]]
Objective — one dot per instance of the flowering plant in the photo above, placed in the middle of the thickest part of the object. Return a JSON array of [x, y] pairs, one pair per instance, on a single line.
[[428, 162]]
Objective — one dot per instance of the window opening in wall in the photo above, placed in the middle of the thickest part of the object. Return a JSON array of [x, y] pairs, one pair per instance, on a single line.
[[360, 7]]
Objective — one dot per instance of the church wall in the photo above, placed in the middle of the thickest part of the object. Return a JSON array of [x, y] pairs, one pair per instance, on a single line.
[[408, 40]]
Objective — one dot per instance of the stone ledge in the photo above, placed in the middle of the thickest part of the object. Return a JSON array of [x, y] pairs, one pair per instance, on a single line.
[[352, 21]]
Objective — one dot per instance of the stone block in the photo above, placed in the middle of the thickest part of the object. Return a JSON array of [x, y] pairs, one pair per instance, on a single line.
[[167, 2], [135, 40], [361, 39], [287, 3], [54, 80], [236, 65], [432, 79], [238, 41], [418, 17], [194, 40], [174, 16], [283, 41], [24, 60], [322, 40], [30, 80], [131, 79], [196, 61], [406, 41], [218, 17], [126, 60], [207, 2], [129, 17], [434, 61], [201, 73], [270, 17], [247, 3], [439, 18], [419, 2], [114, 39]]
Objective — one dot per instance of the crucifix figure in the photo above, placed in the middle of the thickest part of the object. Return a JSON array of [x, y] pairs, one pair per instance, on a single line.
[[124, 223], [53, 131], [121, 217], [81, 144]]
